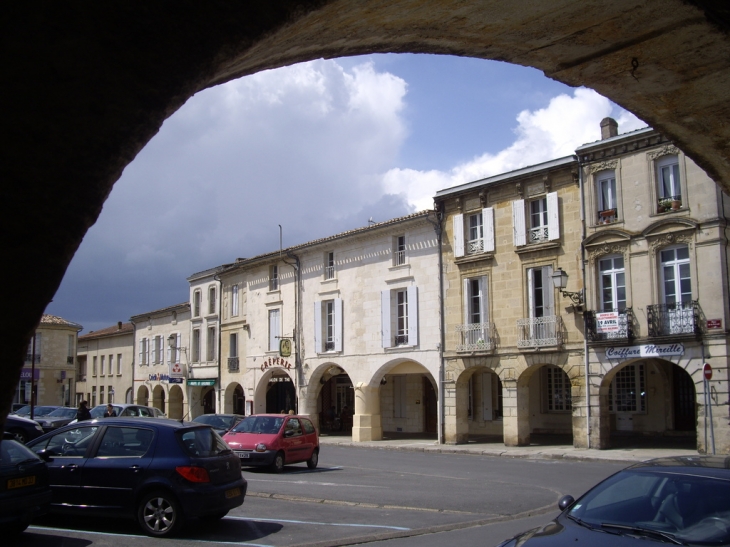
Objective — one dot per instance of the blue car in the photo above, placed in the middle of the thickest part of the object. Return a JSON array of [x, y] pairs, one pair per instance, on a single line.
[[160, 472]]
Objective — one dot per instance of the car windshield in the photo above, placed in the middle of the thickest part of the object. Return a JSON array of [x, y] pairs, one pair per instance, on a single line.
[[63, 413], [213, 420], [202, 442], [269, 425], [23, 410], [687, 507]]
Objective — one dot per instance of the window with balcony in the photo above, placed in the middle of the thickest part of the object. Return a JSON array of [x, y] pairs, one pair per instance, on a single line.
[[233, 352], [536, 220], [234, 300], [669, 183], [212, 301], [607, 203], [612, 283], [399, 317], [627, 392], [475, 331], [196, 303], [543, 326], [329, 265], [328, 325], [196, 346], [474, 233], [678, 313], [399, 250], [274, 329], [273, 278]]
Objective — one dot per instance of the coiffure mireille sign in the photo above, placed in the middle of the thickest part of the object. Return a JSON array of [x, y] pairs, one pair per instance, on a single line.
[[648, 350]]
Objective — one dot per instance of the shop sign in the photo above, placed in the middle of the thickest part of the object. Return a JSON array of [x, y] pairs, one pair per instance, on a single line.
[[607, 322], [26, 373], [159, 377], [648, 350], [176, 371], [714, 323], [275, 362], [176, 380], [201, 382], [285, 347]]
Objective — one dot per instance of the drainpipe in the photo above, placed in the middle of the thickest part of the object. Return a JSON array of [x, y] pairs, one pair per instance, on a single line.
[[438, 228], [585, 301], [220, 335], [134, 352]]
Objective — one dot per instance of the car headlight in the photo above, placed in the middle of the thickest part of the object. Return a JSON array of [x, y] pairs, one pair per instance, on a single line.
[[38, 427], [261, 447]]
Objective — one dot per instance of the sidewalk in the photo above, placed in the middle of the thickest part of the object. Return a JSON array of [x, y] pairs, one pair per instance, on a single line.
[[497, 449]]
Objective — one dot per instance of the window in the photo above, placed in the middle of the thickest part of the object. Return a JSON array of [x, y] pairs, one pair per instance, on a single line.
[[30, 355], [474, 331], [670, 191], [540, 292], [479, 237], [210, 344], [399, 397], [111, 365], [93, 366], [274, 329], [144, 352], [606, 190], [119, 364], [233, 345], [71, 344], [93, 396], [612, 283], [273, 278], [234, 300], [399, 317], [328, 325], [101, 369], [627, 392], [173, 355], [211, 301], [329, 265], [110, 393], [399, 250], [157, 350], [101, 395], [676, 281], [544, 222], [558, 397], [196, 345], [196, 304]]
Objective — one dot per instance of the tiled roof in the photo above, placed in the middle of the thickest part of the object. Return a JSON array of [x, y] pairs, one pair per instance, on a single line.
[[208, 272], [49, 319], [127, 328], [610, 140], [160, 311]]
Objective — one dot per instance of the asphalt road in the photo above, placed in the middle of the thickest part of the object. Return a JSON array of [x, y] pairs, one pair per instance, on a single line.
[[365, 496]]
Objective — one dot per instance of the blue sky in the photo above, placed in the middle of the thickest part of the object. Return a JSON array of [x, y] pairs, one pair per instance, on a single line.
[[319, 148]]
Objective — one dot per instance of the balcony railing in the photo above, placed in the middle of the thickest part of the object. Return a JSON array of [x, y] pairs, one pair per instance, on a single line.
[[539, 332], [329, 272], [614, 325], [475, 337], [475, 246], [539, 234], [329, 346], [607, 216], [69, 360], [400, 258], [673, 319], [233, 364], [400, 339]]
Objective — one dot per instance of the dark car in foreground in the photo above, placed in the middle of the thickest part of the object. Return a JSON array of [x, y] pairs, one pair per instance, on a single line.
[[678, 500], [24, 490], [274, 440], [57, 418], [160, 472], [220, 422], [22, 429]]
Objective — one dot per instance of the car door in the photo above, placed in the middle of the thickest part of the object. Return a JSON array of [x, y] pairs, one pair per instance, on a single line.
[[310, 437], [293, 441], [119, 463]]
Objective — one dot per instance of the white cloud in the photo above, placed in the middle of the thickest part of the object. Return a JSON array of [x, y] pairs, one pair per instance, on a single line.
[[541, 135]]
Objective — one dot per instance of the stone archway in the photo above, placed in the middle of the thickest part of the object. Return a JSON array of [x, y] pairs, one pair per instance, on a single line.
[[176, 402], [143, 395], [158, 398], [123, 75], [234, 400], [478, 406]]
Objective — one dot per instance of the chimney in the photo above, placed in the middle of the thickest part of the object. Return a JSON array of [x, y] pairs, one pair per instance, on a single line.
[[609, 128], [119, 325]]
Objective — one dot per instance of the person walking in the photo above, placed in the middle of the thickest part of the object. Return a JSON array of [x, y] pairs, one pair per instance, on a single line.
[[83, 413], [109, 412]]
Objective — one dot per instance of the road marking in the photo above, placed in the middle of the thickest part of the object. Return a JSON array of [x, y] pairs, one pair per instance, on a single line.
[[352, 525], [315, 483]]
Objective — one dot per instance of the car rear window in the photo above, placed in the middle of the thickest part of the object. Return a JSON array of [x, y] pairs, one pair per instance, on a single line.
[[202, 442], [308, 427]]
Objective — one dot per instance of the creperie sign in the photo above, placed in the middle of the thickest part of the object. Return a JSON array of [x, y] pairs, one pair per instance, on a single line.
[[276, 362]]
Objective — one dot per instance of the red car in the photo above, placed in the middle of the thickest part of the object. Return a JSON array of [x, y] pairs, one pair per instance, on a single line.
[[274, 440]]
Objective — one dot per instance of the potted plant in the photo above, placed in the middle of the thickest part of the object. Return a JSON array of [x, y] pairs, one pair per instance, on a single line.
[[665, 204], [676, 204]]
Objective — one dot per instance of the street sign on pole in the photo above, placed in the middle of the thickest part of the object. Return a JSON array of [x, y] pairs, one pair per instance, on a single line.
[[707, 371]]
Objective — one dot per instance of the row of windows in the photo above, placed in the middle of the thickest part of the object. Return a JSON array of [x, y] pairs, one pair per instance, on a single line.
[[156, 350], [212, 302], [110, 392], [106, 368]]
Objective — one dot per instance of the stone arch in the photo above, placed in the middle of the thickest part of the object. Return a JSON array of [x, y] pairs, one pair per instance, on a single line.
[[261, 391], [234, 399], [478, 391], [129, 396], [330, 385], [159, 397], [143, 395], [176, 406]]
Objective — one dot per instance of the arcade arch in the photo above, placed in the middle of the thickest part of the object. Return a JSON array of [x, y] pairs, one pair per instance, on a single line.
[[335, 401], [143, 396], [176, 406], [275, 392], [158, 398], [234, 401], [479, 405]]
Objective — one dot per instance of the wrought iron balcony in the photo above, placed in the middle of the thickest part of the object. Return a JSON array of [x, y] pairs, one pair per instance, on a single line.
[[538, 235], [475, 246], [540, 332], [613, 325], [401, 339], [674, 319], [329, 346], [475, 337], [233, 364], [329, 272]]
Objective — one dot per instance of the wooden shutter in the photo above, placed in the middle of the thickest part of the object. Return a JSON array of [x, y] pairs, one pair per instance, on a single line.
[[531, 293], [385, 319], [466, 297], [412, 293], [318, 326], [487, 406], [483, 312], [338, 324], [177, 348], [548, 290], [488, 220], [553, 216], [148, 344], [518, 223], [141, 351], [458, 235]]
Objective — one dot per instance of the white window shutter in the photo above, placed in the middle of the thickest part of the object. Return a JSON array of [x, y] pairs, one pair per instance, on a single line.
[[177, 350], [487, 413], [458, 235], [338, 324], [318, 326], [141, 351], [484, 312], [553, 216], [488, 220], [148, 351], [466, 296], [412, 316], [548, 290], [531, 293], [385, 319], [518, 222]]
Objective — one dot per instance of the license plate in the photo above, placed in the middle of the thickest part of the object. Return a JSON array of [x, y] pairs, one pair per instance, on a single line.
[[233, 493], [243, 455], [21, 482]]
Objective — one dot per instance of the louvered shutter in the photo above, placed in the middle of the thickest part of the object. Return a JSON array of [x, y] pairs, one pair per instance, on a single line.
[[338, 324], [318, 326], [458, 235], [488, 220], [412, 316], [531, 292], [518, 222], [177, 347], [149, 350], [141, 351], [385, 319], [553, 216]]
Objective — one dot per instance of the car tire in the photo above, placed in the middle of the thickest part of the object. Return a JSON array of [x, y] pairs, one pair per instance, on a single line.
[[20, 435], [277, 466], [314, 460], [159, 514]]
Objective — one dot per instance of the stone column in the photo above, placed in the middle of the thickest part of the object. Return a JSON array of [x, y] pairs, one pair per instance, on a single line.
[[516, 412], [456, 419], [366, 423]]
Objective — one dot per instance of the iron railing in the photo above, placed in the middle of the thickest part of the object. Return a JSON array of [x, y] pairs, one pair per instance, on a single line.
[[673, 319], [400, 258], [539, 332], [233, 364], [329, 272], [539, 234], [598, 330], [401, 339], [474, 246], [475, 337], [329, 346]]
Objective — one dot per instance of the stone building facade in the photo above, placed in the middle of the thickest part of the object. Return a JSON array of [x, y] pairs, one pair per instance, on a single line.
[[105, 365], [657, 292]]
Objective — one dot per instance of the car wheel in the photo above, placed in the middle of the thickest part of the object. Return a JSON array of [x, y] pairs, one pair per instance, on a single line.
[[277, 466], [19, 435], [314, 460], [159, 514]]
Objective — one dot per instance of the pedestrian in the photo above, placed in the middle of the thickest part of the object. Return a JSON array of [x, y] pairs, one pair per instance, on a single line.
[[109, 412], [291, 413], [83, 412]]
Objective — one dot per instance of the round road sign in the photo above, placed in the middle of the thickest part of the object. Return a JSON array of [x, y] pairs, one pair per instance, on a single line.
[[707, 371]]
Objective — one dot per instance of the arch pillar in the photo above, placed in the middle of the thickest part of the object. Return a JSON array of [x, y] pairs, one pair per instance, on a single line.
[[456, 419], [516, 412], [366, 423]]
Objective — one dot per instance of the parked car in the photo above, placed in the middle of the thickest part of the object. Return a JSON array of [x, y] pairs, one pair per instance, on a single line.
[[22, 429], [274, 440], [678, 500], [38, 411], [57, 418], [122, 411], [16, 406], [24, 488], [220, 422], [161, 472]]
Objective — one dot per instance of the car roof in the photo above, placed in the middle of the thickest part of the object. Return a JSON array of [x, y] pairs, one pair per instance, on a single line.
[[707, 466], [136, 422]]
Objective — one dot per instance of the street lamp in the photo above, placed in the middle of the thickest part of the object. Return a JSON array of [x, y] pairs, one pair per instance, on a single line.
[[560, 280]]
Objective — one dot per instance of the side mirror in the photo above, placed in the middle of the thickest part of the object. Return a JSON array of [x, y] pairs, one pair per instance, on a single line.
[[565, 502], [288, 433], [46, 455]]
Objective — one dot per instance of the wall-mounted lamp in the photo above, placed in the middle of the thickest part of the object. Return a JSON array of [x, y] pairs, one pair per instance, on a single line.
[[383, 381], [172, 342], [560, 280], [322, 380]]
